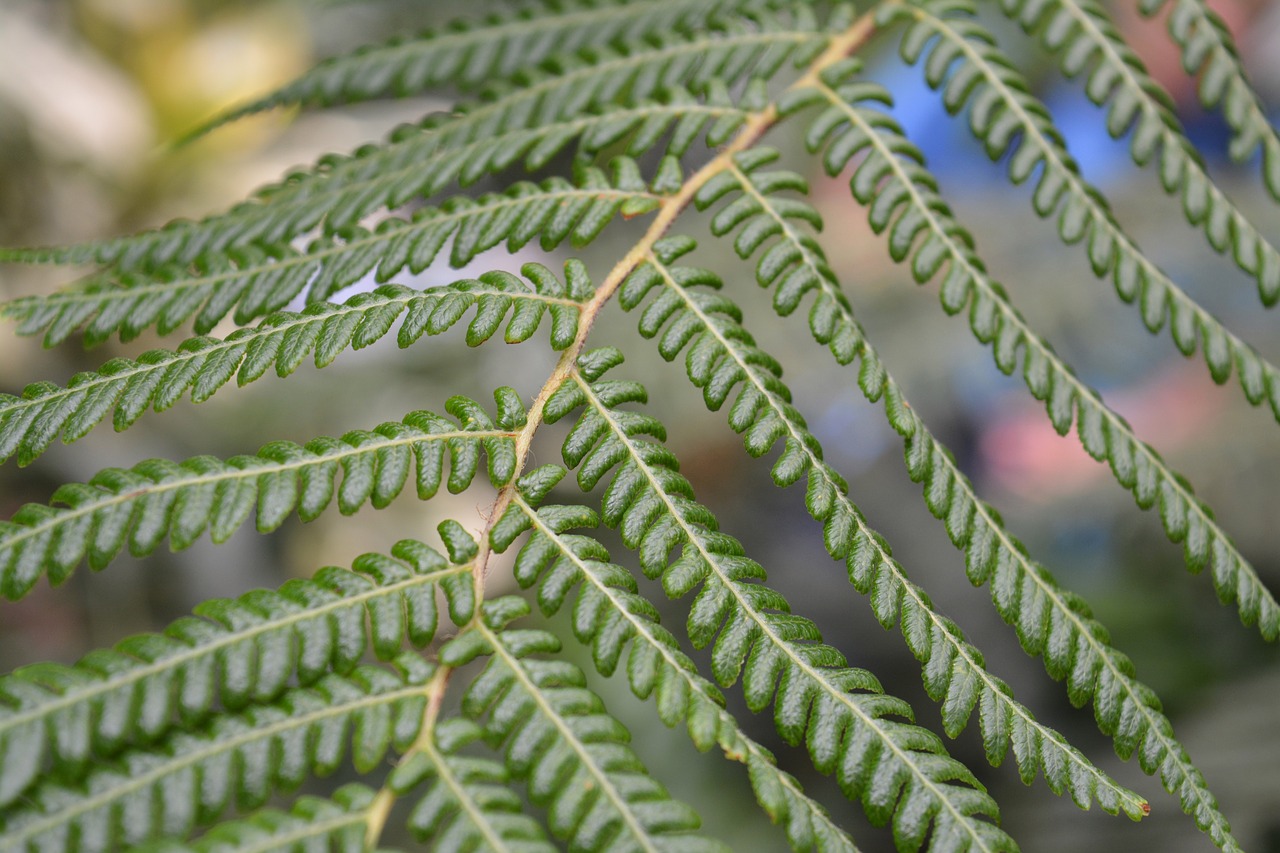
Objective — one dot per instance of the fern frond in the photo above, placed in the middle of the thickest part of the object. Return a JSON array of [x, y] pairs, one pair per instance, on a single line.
[[239, 759], [897, 770], [158, 498], [1051, 622], [902, 198], [722, 359], [1209, 54], [559, 738], [1007, 118], [469, 55], [61, 719], [261, 280], [342, 190], [469, 803], [609, 614], [1001, 112], [1000, 105], [335, 824], [159, 378]]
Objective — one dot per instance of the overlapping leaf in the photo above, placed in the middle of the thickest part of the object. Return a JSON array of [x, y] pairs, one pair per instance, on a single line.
[[140, 506], [1209, 54], [469, 55], [57, 721], [340, 191], [558, 737], [159, 378], [337, 824], [898, 771], [903, 202], [723, 360], [237, 761], [469, 803], [258, 280], [609, 614], [964, 62], [1083, 37], [1051, 622]]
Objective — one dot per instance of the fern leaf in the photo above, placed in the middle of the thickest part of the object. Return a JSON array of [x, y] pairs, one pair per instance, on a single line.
[[342, 190], [897, 770], [1000, 105], [722, 359], [1209, 54], [470, 55], [1000, 108], [336, 824], [155, 498], [1025, 594], [262, 280], [64, 718], [159, 378], [902, 198], [239, 759], [561, 740], [469, 803], [609, 614]]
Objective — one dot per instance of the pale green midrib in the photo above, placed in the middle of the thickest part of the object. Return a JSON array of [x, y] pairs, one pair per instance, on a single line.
[[475, 815], [20, 404], [1172, 746], [1080, 190], [152, 776], [695, 681], [68, 514], [769, 634], [447, 220], [136, 674], [1083, 392], [568, 736], [816, 463]]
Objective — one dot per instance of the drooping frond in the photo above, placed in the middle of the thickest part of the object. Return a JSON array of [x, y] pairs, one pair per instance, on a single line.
[[468, 803], [902, 199], [1079, 32], [469, 55], [1051, 622], [1209, 54], [238, 760], [960, 57], [722, 359], [342, 190], [609, 614], [487, 738], [263, 279], [898, 771], [63, 719], [157, 498], [558, 738], [336, 824], [159, 378]]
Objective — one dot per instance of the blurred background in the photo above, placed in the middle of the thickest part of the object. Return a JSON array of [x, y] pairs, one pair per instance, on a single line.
[[93, 92]]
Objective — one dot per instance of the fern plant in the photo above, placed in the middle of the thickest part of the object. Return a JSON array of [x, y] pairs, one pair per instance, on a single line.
[[465, 719]]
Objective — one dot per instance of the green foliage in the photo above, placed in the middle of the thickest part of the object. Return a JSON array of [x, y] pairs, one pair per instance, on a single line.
[[573, 115]]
